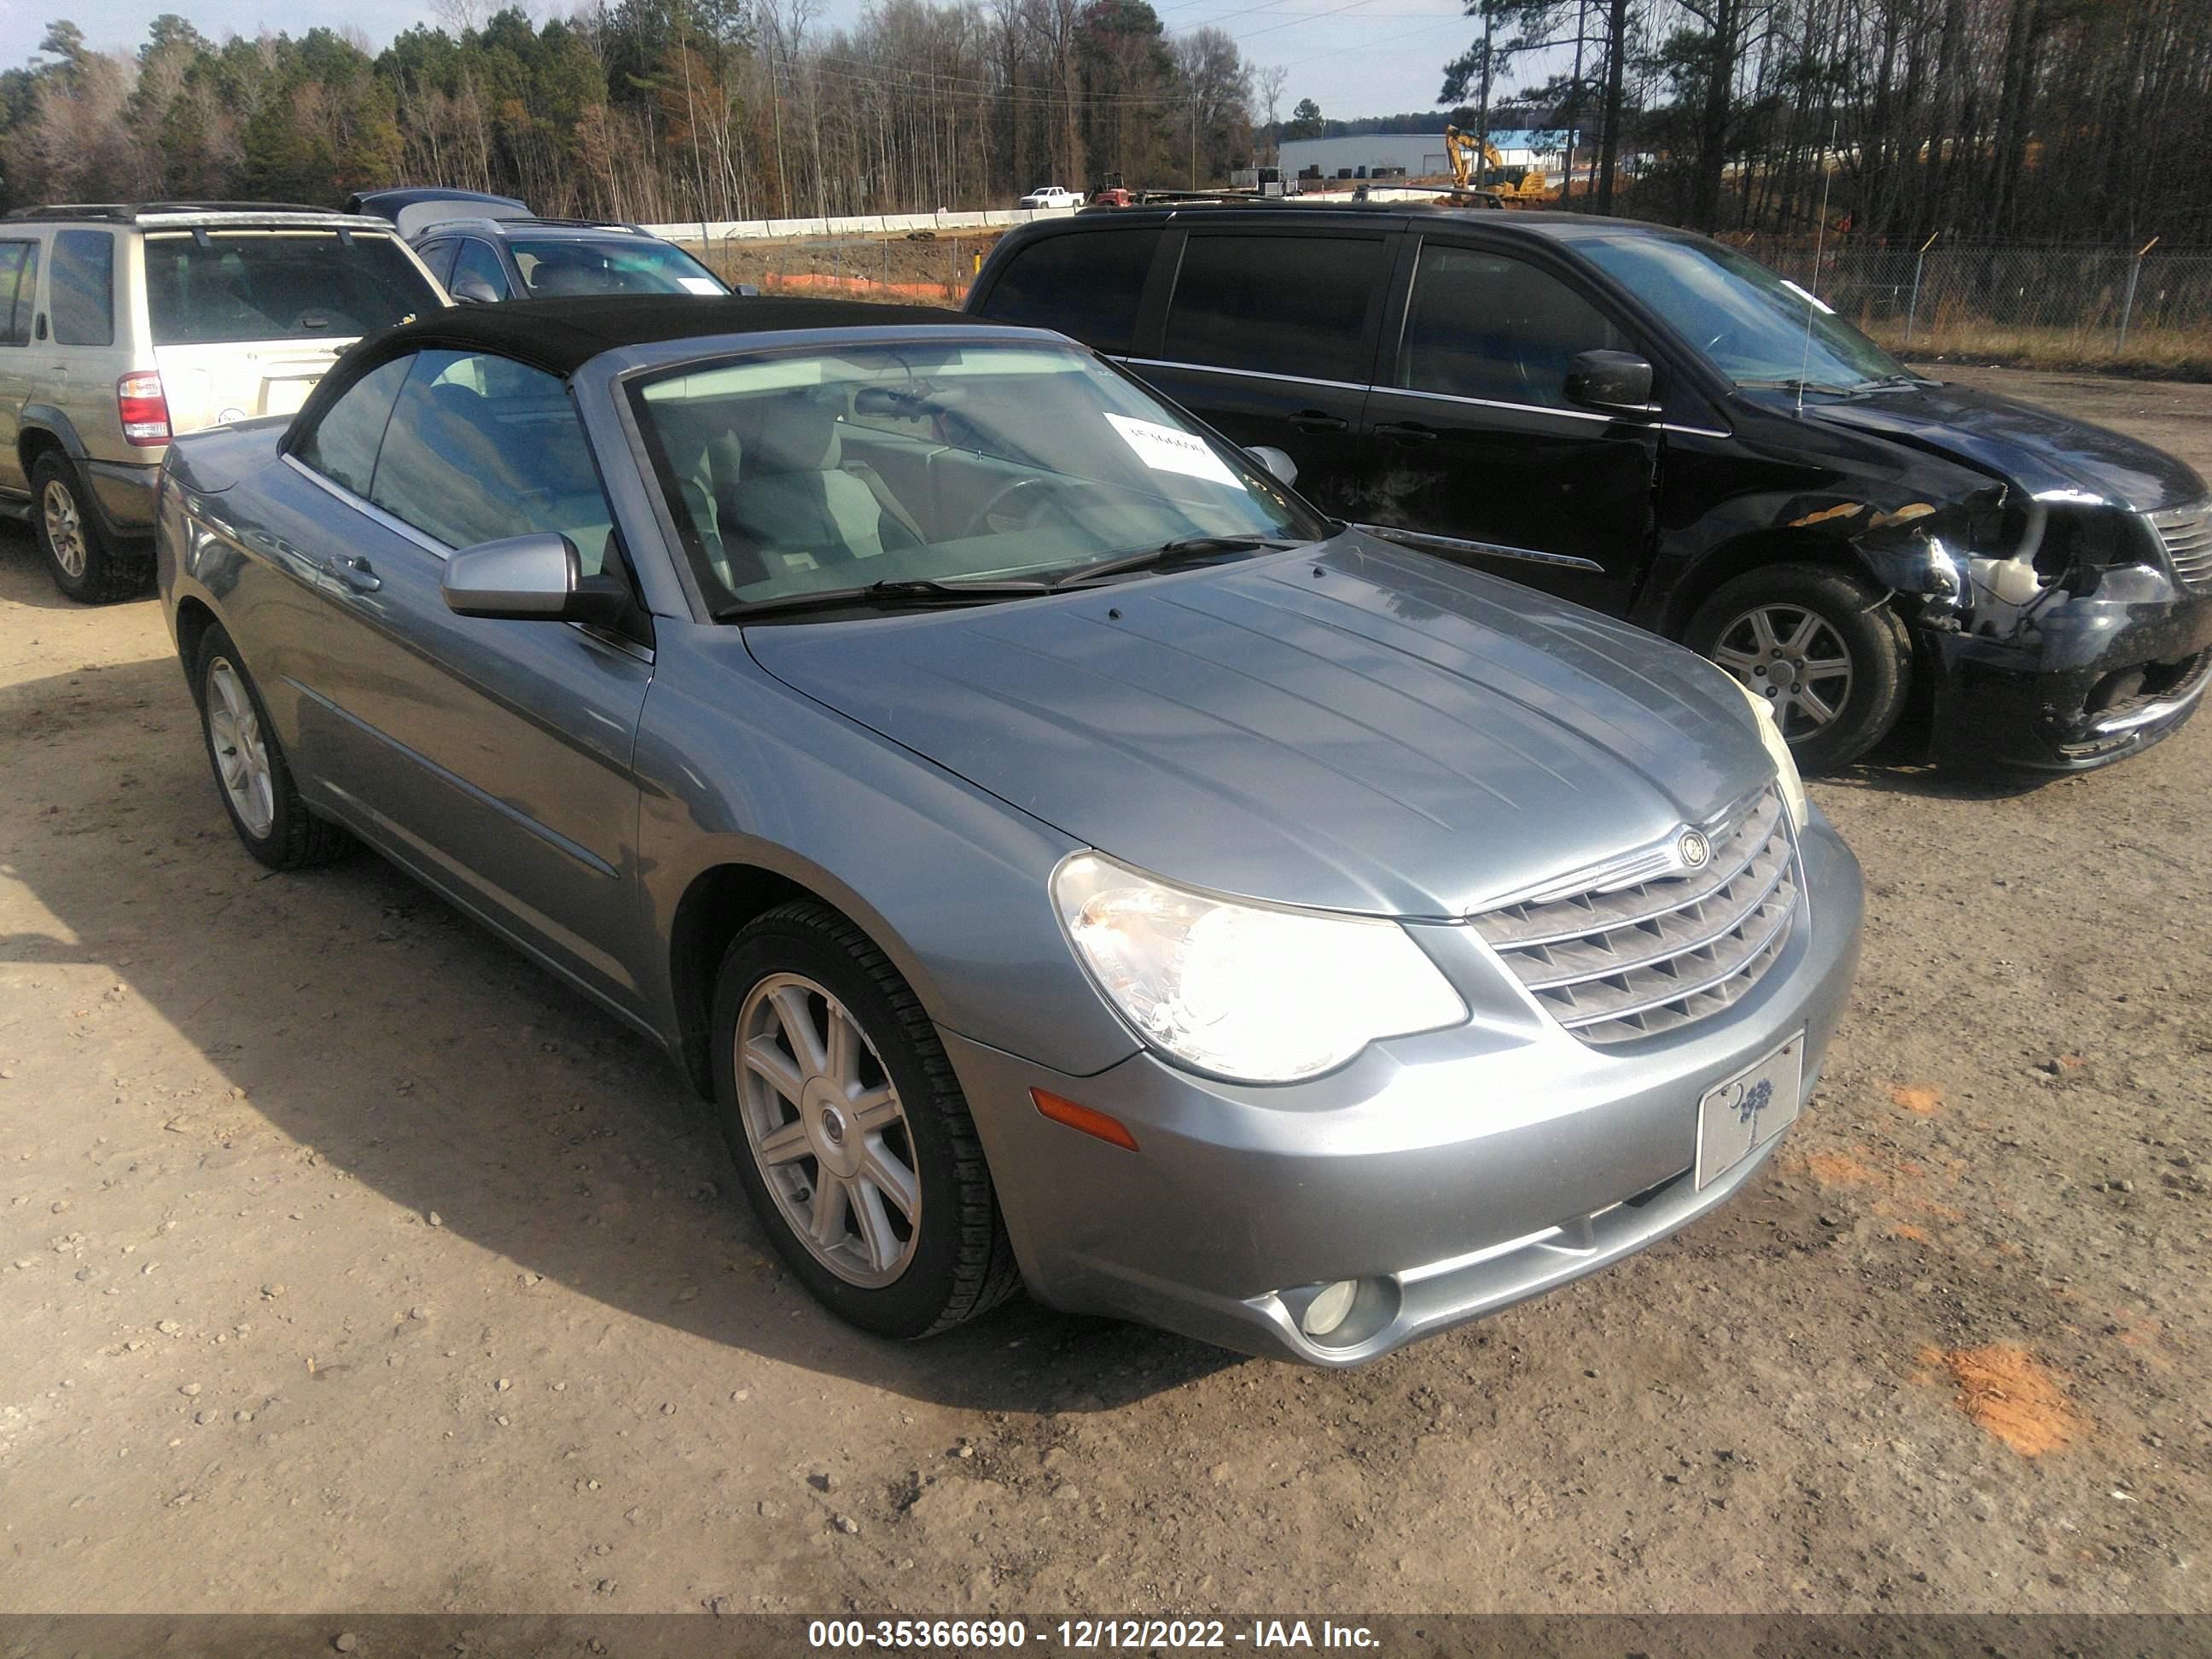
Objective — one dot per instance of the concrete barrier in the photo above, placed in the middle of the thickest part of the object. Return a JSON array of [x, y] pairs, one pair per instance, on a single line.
[[713, 232]]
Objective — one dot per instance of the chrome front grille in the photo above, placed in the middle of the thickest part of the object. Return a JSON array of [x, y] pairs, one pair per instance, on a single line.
[[1630, 959], [2186, 533]]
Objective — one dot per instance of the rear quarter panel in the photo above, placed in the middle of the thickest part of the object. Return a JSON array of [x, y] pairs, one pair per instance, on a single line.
[[238, 534]]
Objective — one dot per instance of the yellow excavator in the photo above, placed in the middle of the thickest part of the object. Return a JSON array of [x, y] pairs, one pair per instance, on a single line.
[[1462, 147]]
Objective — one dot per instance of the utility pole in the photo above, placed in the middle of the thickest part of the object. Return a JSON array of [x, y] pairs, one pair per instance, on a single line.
[[1609, 144], [1582, 28], [1482, 114]]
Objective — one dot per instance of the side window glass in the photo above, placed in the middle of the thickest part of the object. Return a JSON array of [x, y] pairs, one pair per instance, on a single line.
[[83, 284], [481, 447], [343, 444], [1484, 325], [438, 256], [478, 261], [1279, 305], [27, 297], [1086, 284], [11, 271]]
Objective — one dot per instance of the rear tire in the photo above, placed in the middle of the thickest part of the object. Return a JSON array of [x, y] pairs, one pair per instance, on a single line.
[[85, 560], [855, 1144], [250, 773], [1827, 650]]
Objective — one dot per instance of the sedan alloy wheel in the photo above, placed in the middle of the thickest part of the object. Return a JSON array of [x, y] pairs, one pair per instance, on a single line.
[[827, 1129], [242, 755], [1792, 657]]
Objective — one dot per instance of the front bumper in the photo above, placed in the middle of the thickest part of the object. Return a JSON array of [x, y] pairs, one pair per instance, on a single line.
[[2099, 679], [1453, 1173]]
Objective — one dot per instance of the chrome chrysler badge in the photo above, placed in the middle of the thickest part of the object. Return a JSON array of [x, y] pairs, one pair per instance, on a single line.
[[1693, 850]]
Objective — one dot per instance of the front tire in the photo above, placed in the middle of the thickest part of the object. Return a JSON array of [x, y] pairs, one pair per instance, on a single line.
[[849, 1130], [85, 562], [251, 773], [1827, 651]]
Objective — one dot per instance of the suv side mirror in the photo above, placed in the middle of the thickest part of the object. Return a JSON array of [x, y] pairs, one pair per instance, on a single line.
[[536, 578], [1616, 380], [474, 291], [1278, 462]]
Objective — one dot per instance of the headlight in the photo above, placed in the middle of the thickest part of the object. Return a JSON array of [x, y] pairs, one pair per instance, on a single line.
[[1785, 763], [1251, 992]]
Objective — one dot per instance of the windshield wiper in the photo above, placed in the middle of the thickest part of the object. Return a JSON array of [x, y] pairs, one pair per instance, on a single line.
[[1168, 552], [1793, 384], [888, 594]]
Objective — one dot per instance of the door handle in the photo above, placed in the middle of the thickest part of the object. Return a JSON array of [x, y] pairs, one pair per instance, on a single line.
[[1406, 433], [1318, 420], [356, 573]]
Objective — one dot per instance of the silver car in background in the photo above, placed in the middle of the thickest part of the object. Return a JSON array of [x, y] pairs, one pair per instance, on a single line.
[[122, 325], [1060, 855]]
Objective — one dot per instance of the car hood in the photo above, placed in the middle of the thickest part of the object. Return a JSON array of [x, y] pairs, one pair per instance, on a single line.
[[2043, 451], [1359, 728]]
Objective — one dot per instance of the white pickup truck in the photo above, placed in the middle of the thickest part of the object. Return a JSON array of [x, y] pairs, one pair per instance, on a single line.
[[1051, 195]]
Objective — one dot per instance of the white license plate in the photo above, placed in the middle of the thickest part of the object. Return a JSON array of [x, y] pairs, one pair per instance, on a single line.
[[284, 396], [1737, 1117]]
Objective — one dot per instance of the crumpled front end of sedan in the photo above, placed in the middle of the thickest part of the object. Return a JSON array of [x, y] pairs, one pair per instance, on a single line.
[[2061, 603], [2107, 650], [2061, 635], [1443, 1177]]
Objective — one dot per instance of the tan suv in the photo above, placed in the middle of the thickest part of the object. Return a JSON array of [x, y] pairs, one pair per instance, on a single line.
[[122, 325]]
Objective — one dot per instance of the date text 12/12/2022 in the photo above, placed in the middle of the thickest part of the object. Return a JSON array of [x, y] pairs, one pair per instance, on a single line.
[[1084, 1635]]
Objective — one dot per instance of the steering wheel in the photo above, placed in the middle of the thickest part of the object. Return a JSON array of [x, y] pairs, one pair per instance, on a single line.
[[1015, 507]]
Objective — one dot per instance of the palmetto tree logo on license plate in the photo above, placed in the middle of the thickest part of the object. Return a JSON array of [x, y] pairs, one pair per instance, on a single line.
[[1754, 1100]]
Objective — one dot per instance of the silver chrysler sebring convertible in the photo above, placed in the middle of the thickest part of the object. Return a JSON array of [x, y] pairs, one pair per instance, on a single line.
[[1061, 856]]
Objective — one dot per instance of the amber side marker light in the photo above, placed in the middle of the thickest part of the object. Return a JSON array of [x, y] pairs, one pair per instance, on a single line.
[[1082, 1117]]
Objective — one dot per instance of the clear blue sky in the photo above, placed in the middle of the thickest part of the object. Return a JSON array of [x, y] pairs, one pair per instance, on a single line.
[[1365, 57]]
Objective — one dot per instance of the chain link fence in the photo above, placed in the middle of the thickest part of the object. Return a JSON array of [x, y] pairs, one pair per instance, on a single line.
[[2149, 306]]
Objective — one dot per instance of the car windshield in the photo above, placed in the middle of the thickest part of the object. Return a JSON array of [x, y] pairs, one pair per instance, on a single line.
[[795, 473], [224, 286], [1750, 322], [638, 266]]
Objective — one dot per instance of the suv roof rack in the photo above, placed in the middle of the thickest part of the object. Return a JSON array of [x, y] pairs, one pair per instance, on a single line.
[[623, 225], [128, 212]]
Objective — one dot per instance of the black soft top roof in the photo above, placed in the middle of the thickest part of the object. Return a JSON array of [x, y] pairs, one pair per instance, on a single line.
[[560, 335]]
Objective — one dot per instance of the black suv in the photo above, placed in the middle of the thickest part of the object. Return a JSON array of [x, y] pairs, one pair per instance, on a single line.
[[489, 248], [1650, 424]]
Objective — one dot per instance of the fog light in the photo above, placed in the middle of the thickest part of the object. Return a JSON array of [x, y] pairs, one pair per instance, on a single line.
[[1329, 1310]]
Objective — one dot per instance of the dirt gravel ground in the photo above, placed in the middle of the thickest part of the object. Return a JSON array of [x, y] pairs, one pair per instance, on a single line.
[[349, 1263]]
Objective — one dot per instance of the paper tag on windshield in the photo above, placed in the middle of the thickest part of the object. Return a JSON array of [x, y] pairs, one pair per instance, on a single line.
[[700, 285], [1163, 449]]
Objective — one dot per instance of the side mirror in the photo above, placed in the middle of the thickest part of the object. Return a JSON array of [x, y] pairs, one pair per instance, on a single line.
[[531, 579], [474, 291], [1617, 380], [1278, 462]]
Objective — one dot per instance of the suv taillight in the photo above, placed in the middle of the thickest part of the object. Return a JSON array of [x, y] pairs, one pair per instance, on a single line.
[[145, 411]]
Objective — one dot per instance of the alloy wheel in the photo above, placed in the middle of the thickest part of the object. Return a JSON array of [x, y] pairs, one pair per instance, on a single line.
[[1791, 656], [827, 1130], [64, 529], [242, 755]]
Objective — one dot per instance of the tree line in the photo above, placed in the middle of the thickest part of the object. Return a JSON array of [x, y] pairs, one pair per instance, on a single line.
[[653, 109], [2081, 120], [2034, 120]]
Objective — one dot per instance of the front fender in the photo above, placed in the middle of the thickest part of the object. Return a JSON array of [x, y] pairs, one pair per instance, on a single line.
[[736, 768]]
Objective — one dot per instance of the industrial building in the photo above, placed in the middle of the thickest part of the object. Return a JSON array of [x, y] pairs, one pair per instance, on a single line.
[[1420, 153]]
